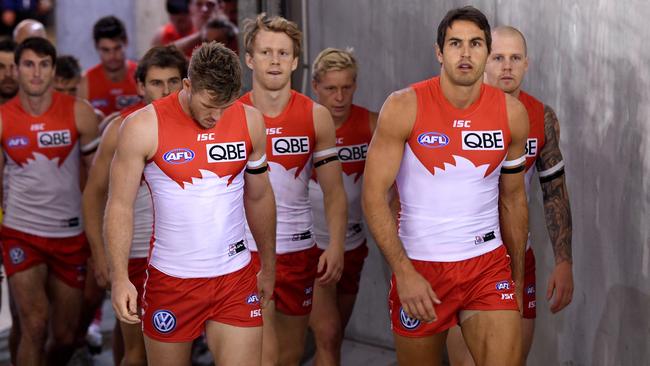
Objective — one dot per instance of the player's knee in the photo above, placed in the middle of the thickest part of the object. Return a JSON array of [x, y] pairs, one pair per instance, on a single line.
[[34, 326], [328, 335], [135, 358]]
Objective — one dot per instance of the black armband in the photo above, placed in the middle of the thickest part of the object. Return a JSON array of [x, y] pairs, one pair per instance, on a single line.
[[328, 159]]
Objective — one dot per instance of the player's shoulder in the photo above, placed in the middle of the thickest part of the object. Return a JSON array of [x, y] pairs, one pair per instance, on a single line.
[[92, 71], [401, 99]]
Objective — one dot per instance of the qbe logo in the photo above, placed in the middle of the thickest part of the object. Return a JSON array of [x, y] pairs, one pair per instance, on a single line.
[[164, 321], [226, 151], [531, 148], [290, 145], [54, 138], [503, 285], [17, 255], [483, 140], [353, 153], [433, 140], [407, 322], [17, 142], [179, 156]]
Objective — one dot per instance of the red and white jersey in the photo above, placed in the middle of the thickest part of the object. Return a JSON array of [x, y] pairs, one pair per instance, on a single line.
[[290, 142], [41, 179], [108, 96], [142, 208], [352, 140], [448, 181], [196, 179], [536, 138]]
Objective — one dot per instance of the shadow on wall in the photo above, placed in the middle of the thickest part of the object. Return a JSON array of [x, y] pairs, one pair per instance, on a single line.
[[622, 334]]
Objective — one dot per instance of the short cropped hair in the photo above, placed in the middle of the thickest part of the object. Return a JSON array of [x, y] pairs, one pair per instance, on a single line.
[[38, 45], [271, 24], [225, 24], [214, 68], [67, 67], [175, 7], [163, 57], [109, 27], [333, 59], [470, 14], [8, 45]]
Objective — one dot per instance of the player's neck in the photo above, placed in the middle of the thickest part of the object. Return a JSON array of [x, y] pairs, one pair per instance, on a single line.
[[515, 93], [339, 121], [460, 96], [116, 75], [35, 105], [270, 102]]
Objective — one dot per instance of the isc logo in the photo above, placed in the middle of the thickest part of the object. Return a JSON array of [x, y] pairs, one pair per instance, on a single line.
[[256, 313], [54, 138], [274, 131], [503, 285], [531, 148], [433, 140], [178, 156], [17, 142], [353, 153], [290, 145], [226, 151], [483, 140]]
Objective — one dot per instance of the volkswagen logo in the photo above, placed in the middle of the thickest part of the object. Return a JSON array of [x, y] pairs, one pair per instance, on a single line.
[[407, 322], [164, 321], [17, 255]]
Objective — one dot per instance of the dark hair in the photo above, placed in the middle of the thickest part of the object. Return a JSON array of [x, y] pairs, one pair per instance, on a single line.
[[175, 7], [109, 27], [163, 57], [225, 24], [67, 67], [40, 46], [8, 45], [216, 69], [470, 14]]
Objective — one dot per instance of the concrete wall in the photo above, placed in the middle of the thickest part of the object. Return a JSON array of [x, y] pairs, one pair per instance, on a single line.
[[589, 62], [74, 21]]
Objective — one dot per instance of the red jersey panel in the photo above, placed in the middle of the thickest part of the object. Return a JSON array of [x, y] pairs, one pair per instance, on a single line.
[[41, 178], [108, 96], [170, 34], [448, 181], [290, 141], [196, 179], [352, 140], [132, 108]]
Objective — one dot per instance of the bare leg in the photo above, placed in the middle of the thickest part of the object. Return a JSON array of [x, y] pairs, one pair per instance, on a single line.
[[420, 351], [223, 339], [325, 321], [290, 333], [167, 354], [528, 326], [457, 349], [133, 345], [66, 303], [494, 337]]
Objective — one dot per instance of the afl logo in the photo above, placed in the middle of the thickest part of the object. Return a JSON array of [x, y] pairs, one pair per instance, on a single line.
[[17, 142], [164, 321], [17, 255], [433, 140], [503, 285], [407, 322], [178, 156]]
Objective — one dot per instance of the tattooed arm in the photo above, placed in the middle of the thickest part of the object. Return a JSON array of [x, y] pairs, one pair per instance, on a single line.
[[557, 211]]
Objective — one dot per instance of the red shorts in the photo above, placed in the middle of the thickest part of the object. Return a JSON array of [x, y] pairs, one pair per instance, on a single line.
[[64, 257], [176, 309], [137, 274], [530, 305], [480, 283], [294, 280], [352, 265]]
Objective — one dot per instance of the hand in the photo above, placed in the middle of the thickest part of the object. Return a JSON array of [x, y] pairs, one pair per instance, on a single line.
[[265, 285], [560, 286], [417, 296], [125, 301], [331, 261], [100, 269]]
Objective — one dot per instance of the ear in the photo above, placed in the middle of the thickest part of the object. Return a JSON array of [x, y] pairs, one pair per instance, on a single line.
[[525, 64], [294, 64], [438, 53], [187, 84], [140, 88], [249, 60], [314, 83]]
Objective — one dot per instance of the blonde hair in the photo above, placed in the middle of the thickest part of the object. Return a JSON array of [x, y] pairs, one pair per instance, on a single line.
[[333, 59], [271, 24]]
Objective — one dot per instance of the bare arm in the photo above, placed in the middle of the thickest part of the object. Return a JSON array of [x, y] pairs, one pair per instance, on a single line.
[[513, 207], [94, 199], [395, 123], [557, 210], [137, 142], [259, 202], [334, 197], [86, 122]]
